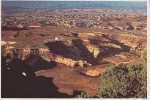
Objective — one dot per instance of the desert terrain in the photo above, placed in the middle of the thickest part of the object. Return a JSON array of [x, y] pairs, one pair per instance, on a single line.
[[59, 53]]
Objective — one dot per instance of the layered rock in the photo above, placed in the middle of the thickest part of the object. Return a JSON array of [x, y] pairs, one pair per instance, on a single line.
[[45, 54], [94, 50], [78, 55], [71, 62], [95, 72]]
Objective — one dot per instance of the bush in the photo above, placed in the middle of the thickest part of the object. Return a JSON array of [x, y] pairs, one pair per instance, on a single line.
[[124, 81], [144, 57], [84, 94]]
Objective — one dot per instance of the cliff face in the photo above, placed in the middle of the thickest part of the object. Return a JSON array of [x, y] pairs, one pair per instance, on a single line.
[[137, 44], [45, 53], [79, 52], [70, 62], [94, 50]]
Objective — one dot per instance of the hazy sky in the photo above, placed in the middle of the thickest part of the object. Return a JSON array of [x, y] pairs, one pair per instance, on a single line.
[[74, 0]]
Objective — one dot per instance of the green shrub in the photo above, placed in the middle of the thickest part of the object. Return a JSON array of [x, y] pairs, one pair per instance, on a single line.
[[124, 81], [144, 57], [84, 94]]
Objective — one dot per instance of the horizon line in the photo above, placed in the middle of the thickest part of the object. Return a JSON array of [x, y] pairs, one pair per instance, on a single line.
[[81, 0]]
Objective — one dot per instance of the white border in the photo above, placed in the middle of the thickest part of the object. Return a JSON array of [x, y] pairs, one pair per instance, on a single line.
[[79, 0], [148, 48], [0, 49], [148, 54]]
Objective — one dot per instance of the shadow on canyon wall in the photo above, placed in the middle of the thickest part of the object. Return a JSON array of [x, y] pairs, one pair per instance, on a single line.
[[38, 63], [58, 47], [84, 52], [19, 81], [76, 52], [107, 51]]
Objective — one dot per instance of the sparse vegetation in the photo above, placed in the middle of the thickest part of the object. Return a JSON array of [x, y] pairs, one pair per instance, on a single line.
[[84, 94], [124, 80], [144, 56], [73, 47]]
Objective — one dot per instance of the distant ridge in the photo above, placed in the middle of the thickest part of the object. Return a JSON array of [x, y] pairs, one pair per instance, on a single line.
[[75, 4]]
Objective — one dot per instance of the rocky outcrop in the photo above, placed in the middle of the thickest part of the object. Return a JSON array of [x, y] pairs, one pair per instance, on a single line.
[[94, 50], [79, 52], [45, 54], [71, 62], [94, 72]]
